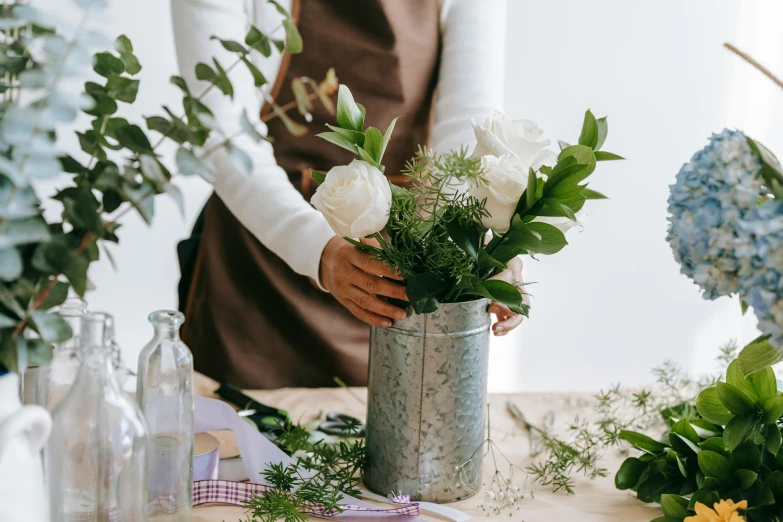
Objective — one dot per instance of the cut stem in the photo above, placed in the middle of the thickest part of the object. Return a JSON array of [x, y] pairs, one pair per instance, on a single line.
[[766, 72]]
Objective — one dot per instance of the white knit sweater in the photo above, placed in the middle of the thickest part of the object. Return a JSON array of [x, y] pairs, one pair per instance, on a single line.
[[470, 86]]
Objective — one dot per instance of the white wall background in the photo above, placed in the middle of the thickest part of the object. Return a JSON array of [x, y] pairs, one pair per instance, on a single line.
[[612, 304]]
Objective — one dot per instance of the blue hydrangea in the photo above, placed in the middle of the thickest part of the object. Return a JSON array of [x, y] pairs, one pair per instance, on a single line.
[[712, 195], [760, 255]]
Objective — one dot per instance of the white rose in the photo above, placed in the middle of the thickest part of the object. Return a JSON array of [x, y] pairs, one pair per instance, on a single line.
[[355, 199], [565, 224], [506, 180], [502, 136]]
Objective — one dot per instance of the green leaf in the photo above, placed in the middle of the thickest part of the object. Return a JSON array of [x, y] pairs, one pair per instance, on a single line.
[[642, 442], [258, 77], [24, 231], [56, 296], [759, 494], [772, 407], [758, 355], [248, 128], [746, 456], [122, 88], [682, 444], [532, 188], [179, 82], [206, 73], [231, 45], [737, 431], [123, 44], [606, 156], [772, 438], [487, 263], [10, 264], [736, 401], [715, 465], [340, 141], [319, 177], [365, 156], [131, 63], [257, 40], [425, 291], [7, 322], [133, 138], [745, 478], [387, 137], [710, 407], [539, 238], [628, 475], [775, 483], [222, 82], [589, 135], [372, 143], [684, 428], [507, 294], [51, 327], [190, 165], [736, 377], [349, 116], [465, 235], [705, 496], [592, 194], [38, 352], [674, 506], [651, 489], [293, 38], [603, 131], [106, 64]]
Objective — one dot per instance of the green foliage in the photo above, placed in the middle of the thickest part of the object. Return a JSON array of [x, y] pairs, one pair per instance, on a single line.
[[321, 474], [435, 238], [729, 450], [118, 171]]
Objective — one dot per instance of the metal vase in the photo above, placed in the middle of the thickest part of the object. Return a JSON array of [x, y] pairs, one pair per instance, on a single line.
[[427, 397]]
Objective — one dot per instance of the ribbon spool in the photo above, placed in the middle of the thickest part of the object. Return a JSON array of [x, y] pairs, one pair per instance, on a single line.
[[206, 456]]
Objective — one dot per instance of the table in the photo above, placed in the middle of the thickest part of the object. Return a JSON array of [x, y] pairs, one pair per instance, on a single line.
[[594, 501]]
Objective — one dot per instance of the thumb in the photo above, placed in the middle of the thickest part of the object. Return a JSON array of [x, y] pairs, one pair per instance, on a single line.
[[370, 241]]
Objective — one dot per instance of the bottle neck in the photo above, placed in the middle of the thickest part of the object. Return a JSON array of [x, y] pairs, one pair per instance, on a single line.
[[166, 332]]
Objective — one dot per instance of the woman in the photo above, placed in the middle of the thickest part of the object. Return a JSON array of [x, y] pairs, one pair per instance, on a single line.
[[274, 298]]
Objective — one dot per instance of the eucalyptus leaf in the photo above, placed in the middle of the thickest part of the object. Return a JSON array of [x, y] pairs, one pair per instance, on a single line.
[[10, 264], [51, 327], [176, 194], [258, 77], [231, 45], [24, 231], [248, 128], [123, 44]]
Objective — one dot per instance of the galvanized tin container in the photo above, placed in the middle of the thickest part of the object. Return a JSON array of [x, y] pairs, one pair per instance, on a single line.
[[426, 410]]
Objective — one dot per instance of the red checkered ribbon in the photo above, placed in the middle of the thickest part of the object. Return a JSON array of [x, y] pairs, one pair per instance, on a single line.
[[238, 493]]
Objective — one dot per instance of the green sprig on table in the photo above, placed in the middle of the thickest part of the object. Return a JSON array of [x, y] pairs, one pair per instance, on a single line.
[[723, 445], [321, 474]]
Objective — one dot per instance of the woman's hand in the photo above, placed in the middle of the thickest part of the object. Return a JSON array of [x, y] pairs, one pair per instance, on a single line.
[[508, 320], [355, 279]]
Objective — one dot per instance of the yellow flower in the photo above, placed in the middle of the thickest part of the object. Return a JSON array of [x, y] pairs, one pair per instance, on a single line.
[[725, 511]]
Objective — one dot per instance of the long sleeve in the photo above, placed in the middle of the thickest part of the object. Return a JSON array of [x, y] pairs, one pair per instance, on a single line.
[[265, 202], [470, 82]]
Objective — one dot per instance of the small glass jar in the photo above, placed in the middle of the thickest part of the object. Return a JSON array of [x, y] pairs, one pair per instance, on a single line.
[[56, 378], [96, 457], [164, 390]]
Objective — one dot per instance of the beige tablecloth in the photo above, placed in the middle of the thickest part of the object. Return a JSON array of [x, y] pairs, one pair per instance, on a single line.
[[594, 501]]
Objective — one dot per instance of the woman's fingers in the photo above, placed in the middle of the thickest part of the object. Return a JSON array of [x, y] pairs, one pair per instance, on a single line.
[[508, 323], [500, 310], [375, 285], [377, 306], [366, 316], [364, 262]]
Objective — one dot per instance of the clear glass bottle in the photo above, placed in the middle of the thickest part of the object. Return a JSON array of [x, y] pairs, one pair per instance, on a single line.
[[55, 378], [164, 390], [95, 459]]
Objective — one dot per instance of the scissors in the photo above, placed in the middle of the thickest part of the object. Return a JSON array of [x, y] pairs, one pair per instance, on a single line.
[[341, 425], [266, 418]]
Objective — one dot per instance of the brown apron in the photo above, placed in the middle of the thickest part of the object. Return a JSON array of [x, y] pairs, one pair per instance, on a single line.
[[251, 320]]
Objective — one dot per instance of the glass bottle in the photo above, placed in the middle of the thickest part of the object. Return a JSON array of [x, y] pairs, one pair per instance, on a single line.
[[164, 390], [55, 378], [95, 459]]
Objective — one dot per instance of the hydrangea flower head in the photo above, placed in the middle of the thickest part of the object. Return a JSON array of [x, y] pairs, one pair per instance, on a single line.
[[712, 194]]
